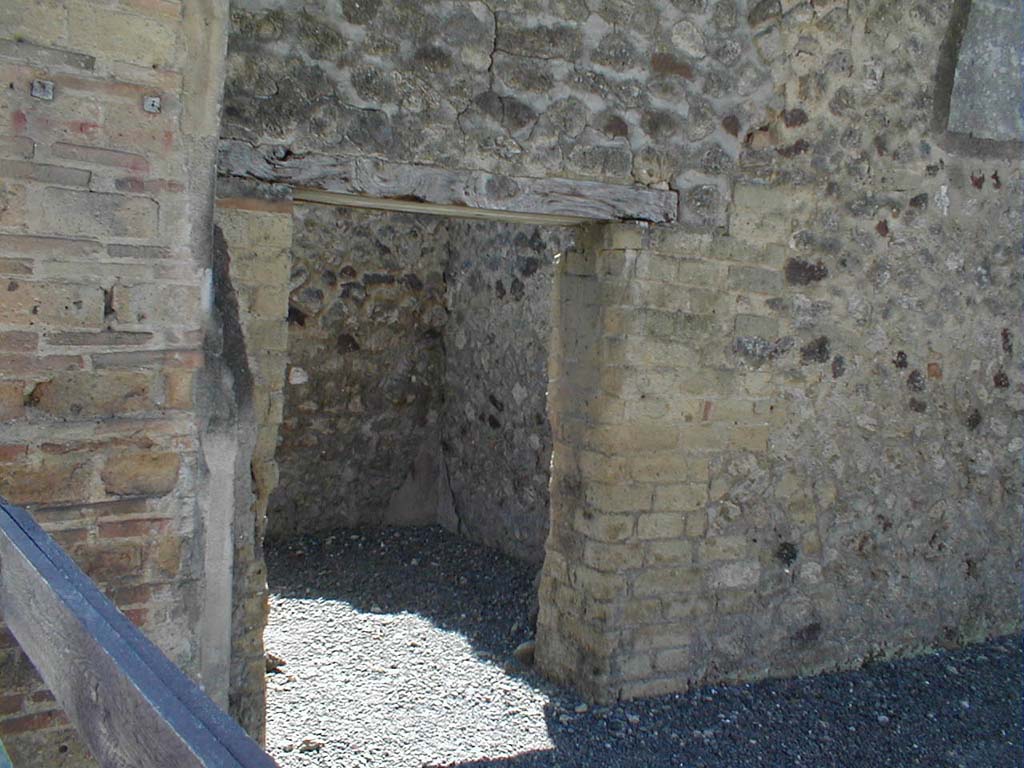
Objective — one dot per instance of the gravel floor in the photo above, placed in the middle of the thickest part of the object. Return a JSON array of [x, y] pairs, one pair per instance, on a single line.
[[397, 648]]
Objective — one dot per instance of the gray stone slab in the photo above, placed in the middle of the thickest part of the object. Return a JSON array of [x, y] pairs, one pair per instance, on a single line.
[[987, 93]]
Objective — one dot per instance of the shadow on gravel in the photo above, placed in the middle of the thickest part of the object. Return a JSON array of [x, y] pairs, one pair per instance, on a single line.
[[461, 587], [958, 709]]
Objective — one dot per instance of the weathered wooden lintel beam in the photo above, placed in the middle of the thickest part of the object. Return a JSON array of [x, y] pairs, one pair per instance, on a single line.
[[368, 182], [321, 197]]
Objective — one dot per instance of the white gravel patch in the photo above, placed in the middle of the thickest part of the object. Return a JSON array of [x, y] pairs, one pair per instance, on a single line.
[[388, 691]]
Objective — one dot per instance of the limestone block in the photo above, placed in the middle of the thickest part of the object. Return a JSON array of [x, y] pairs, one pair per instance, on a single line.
[[40, 21], [143, 40], [596, 584], [14, 205], [754, 279], [680, 497], [178, 389], [661, 525], [160, 304], [44, 173], [603, 526], [619, 497], [667, 582], [12, 400], [612, 557], [60, 304], [762, 214], [88, 394], [140, 473], [54, 479], [669, 553], [668, 467], [97, 214], [724, 548]]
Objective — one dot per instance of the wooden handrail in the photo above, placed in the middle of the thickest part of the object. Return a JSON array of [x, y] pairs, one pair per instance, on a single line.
[[131, 705]]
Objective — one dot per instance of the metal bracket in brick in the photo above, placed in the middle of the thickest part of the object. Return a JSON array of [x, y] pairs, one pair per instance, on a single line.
[[42, 89], [151, 104]]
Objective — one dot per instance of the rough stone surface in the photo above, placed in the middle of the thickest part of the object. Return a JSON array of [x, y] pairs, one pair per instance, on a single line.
[[417, 376], [103, 208], [616, 92], [845, 483], [494, 431], [366, 320], [257, 237], [785, 433]]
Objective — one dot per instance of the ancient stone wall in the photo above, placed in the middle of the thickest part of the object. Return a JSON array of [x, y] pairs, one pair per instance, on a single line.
[[417, 376], [896, 474], [257, 237], [621, 92], [495, 433], [786, 429], [755, 442], [642, 402], [366, 367], [802, 438], [108, 122]]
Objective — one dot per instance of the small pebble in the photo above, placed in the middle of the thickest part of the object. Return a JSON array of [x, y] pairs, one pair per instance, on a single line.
[[524, 653]]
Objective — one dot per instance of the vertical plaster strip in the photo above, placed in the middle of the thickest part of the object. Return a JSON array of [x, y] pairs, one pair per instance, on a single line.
[[220, 452], [204, 30]]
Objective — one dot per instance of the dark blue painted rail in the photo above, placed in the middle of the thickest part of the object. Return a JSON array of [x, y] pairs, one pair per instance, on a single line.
[[129, 703]]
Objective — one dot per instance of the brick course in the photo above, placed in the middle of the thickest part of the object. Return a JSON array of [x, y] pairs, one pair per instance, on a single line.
[[84, 181]]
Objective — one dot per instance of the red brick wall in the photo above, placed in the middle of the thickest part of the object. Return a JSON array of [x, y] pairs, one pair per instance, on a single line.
[[101, 317]]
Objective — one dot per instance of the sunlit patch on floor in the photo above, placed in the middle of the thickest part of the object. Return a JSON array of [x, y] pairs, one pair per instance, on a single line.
[[433, 698]]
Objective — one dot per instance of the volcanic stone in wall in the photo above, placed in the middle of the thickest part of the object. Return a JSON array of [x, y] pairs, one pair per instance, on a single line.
[[637, 92], [886, 511], [366, 365], [495, 431]]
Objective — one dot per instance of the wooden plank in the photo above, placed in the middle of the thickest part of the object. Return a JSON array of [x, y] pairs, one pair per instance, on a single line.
[[320, 197], [478, 190], [130, 704]]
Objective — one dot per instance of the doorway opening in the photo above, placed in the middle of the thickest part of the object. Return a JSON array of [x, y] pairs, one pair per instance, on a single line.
[[413, 460], [417, 376]]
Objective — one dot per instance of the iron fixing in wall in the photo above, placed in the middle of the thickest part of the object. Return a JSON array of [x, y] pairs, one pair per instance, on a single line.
[[42, 89]]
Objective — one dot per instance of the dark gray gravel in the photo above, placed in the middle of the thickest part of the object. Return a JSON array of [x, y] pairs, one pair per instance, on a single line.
[[398, 648]]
